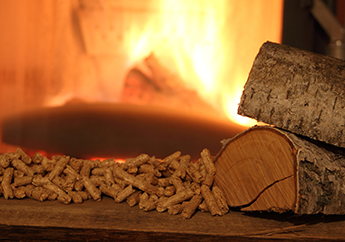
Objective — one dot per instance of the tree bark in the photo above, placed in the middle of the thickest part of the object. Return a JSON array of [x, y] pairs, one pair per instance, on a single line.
[[265, 169], [298, 91]]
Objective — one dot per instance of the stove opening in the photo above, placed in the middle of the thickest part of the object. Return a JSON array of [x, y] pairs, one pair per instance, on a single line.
[[116, 78]]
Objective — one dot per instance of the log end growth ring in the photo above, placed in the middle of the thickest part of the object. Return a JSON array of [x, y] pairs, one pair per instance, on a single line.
[[257, 171]]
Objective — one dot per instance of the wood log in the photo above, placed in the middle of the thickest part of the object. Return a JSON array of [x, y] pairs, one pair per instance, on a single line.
[[265, 168], [298, 91], [151, 83]]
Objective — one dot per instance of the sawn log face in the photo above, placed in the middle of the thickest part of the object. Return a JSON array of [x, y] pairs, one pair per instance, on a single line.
[[297, 90], [316, 186]]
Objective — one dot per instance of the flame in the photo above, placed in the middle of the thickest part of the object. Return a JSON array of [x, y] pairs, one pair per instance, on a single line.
[[210, 44]]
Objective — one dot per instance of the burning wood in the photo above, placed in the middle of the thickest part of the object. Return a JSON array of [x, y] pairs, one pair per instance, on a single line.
[[152, 83], [139, 180]]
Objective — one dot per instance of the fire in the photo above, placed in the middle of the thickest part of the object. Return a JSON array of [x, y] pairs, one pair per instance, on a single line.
[[81, 51], [210, 44]]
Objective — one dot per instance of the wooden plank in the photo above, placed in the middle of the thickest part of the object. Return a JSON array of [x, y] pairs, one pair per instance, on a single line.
[[110, 220]]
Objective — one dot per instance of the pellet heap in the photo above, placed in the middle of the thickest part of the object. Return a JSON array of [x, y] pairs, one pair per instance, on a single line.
[[174, 184]]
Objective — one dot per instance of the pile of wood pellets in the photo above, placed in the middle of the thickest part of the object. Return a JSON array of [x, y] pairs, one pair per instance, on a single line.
[[174, 184]]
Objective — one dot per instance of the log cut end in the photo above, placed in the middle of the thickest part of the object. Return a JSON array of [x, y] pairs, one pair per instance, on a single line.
[[257, 171]]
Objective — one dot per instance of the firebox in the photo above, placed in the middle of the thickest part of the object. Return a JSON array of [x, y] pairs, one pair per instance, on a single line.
[[109, 78]]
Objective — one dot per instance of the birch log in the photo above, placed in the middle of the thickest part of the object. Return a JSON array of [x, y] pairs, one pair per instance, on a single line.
[[267, 169], [298, 91]]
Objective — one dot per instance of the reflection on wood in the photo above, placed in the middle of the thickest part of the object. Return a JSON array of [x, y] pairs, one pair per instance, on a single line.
[[28, 219]]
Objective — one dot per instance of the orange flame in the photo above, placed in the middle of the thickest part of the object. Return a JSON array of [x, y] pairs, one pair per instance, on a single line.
[[211, 44]]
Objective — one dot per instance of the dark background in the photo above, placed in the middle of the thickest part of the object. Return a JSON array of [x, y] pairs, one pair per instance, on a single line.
[[300, 28]]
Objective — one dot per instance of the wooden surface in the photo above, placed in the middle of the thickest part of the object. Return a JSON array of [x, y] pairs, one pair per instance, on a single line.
[[28, 219], [297, 90]]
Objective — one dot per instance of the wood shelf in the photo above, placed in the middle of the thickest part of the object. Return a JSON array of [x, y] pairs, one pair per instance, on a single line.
[[28, 219]]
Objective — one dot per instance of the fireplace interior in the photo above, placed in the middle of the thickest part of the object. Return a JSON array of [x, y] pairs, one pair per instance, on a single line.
[[106, 78]]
